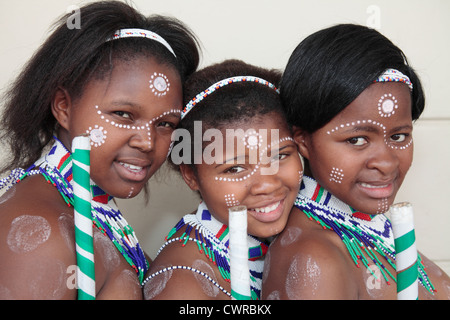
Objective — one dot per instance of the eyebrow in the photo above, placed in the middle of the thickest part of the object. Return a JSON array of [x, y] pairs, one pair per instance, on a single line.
[[246, 156], [120, 103]]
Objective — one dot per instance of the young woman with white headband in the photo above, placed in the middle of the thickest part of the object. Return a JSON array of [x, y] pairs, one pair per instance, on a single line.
[[118, 80], [352, 98]]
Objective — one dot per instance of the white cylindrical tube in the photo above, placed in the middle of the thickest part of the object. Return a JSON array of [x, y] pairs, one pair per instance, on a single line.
[[405, 251], [239, 269]]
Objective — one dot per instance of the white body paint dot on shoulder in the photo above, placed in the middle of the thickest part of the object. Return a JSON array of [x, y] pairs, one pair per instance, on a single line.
[[27, 233]]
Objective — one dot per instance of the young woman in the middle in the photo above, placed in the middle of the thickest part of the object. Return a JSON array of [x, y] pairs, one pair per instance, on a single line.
[[234, 147]]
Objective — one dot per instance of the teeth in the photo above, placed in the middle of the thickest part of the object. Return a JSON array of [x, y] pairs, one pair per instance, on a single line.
[[268, 208], [366, 185], [131, 167]]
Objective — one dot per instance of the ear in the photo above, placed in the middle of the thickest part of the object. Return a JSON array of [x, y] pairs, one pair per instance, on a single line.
[[302, 139], [61, 107], [189, 176]]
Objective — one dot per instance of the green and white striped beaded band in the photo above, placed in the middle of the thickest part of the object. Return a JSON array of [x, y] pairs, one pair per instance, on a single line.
[[83, 218], [405, 251]]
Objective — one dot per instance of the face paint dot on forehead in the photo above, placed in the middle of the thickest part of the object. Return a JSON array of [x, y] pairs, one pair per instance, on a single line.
[[387, 105], [159, 84], [252, 140]]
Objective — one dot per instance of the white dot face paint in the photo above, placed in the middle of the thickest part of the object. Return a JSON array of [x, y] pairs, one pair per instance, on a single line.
[[159, 84], [252, 140], [387, 105], [207, 286], [27, 233], [336, 175], [230, 200], [383, 205], [97, 135], [262, 156]]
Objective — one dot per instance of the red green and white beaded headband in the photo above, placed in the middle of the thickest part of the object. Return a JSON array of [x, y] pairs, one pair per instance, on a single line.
[[202, 95], [141, 33], [393, 75]]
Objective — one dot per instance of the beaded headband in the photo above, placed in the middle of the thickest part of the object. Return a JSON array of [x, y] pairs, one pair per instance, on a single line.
[[392, 75], [136, 33], [202, 95]]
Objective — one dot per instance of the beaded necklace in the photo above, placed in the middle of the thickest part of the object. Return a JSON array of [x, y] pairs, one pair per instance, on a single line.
[[56, 168], [212, 238], [363, 234]]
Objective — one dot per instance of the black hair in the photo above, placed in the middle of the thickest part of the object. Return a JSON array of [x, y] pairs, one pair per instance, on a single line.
[[231, 104], [70, 58], [332, 67]]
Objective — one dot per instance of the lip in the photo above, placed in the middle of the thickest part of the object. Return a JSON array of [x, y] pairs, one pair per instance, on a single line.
[[377, 189], [274, 211], [135, 170]]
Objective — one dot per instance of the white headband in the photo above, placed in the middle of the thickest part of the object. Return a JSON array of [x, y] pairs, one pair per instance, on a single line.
[[393, 75], [199, 97], [126, 33]]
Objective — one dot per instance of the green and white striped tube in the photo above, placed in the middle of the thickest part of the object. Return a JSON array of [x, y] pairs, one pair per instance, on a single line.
[[239, 269], [405, 251], [81, 148]]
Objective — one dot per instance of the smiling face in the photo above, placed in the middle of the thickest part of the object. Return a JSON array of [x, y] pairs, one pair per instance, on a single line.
[[129, 118], [263, 172], [363, 154]]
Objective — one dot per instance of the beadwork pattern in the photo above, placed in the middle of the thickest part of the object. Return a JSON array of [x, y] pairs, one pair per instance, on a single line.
[[56, 168], [202, 95], [363, 235], [212, 239]]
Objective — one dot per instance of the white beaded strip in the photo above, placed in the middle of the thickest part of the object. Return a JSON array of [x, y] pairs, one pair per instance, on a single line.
[[214, 282], [202, 95]]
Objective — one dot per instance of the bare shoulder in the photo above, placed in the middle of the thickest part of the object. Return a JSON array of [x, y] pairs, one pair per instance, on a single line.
[[35, 240], [439, 279], [307, 262], [181, 271]]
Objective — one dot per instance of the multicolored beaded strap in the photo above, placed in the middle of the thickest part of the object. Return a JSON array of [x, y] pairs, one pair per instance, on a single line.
[[202, 95], [393, 75], [362, 238], [141, 33], [56, 168], [213, 241]]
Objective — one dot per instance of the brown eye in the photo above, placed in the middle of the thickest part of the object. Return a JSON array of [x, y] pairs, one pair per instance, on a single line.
[[399, 137], [357, 141]]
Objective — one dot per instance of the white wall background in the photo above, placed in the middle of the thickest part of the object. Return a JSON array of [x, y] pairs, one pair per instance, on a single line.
[[265, 32]]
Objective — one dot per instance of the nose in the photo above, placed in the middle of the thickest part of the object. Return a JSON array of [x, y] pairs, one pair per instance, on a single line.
[[384, 159], [142, 139], [264, 184]]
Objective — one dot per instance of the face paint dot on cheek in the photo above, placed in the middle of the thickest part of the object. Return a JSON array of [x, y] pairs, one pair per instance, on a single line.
[[97, 135], [230, 200], [336, 175]]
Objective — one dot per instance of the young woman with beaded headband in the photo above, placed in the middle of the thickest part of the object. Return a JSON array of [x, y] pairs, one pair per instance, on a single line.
[[351, 98], [118, 79], [236, 110]]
